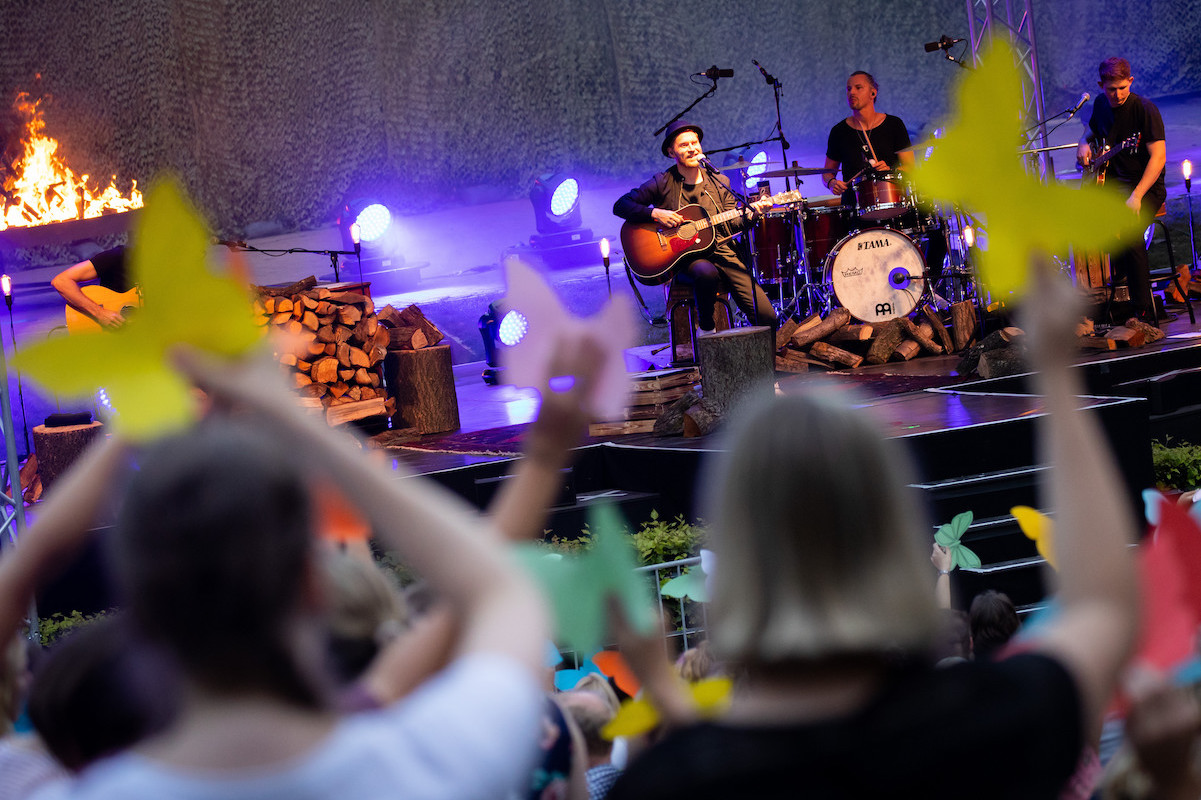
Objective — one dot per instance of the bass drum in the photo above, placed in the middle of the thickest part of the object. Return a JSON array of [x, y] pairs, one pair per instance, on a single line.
[[877, 274]]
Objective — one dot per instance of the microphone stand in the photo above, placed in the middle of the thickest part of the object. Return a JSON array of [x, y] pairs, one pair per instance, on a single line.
[[708, 93], [776, 86], [333, 256]]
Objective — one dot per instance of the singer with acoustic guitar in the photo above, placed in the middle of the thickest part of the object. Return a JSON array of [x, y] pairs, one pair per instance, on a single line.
[[103, 303], [1117, 119], [668, 199]]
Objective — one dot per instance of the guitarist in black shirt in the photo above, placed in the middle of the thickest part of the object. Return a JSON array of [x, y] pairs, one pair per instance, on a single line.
[[688, 182], [1138, 172]]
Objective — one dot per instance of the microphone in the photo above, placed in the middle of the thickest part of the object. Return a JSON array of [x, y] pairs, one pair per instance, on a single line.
[[942, 44], [1079, 104], [771, 80], [229, 242], [713, 73], [704, 161]]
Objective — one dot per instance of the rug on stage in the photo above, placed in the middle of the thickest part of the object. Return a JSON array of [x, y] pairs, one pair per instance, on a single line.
[[877, 385], [505, 441]]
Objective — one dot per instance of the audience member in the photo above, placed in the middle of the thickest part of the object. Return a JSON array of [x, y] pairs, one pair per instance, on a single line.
[[99, 692], [216, 558], [994, 622], [819, 583], [697, 663], [954, 645], [591, 714], [25, 764]]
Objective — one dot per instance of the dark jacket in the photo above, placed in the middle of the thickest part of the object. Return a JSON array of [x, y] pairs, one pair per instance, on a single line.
[[663, 190]]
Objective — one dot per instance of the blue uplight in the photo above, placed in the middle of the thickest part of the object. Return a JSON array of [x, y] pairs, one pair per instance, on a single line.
[[513, 328], [373, 221], [564, 197]]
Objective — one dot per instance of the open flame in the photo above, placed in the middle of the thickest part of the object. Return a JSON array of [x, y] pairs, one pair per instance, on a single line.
[[39, 187]]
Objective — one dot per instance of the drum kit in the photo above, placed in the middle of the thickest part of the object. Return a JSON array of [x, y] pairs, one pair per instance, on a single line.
[[866, 250]]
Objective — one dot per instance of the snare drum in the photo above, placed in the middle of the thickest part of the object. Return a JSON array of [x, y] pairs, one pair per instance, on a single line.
[[775, 246], [824, 220], [877, 274], [881, 195]]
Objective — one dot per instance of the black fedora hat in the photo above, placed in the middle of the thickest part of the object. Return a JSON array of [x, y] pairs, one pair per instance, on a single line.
[[675, 129]]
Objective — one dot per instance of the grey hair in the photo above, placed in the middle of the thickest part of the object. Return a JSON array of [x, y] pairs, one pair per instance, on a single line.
[[821, 549]]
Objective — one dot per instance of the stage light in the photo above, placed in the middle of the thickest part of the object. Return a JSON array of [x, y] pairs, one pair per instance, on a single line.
[[513, 328], [373, 222], [757, 168], [969, 235], [500, 326], [1186, 167], [556, 201]]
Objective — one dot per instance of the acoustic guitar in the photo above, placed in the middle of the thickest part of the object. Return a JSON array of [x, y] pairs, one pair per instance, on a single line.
[[123, 302], [1094, 269], [653, 252]]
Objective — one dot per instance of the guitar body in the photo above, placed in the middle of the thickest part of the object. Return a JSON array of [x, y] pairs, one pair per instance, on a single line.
[[79, 322], [654, 251]]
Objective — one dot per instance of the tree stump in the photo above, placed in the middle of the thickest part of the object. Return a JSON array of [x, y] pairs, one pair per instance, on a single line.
[[734, 363], [57, 448], [423, 384]]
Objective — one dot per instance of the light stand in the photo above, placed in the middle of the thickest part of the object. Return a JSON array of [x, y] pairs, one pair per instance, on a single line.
[[604, 247], [1187, 168], [6, 284]]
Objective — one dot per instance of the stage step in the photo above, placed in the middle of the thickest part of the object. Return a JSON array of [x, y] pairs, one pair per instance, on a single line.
[[1021, 579], [986, 495]]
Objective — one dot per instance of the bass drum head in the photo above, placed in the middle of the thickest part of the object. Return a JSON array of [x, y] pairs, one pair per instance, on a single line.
[[876, 274]]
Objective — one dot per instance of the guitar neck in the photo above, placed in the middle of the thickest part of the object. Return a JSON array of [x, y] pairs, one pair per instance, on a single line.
[[726, 216]]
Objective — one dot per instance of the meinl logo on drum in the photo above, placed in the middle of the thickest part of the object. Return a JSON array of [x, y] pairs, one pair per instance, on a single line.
[[872, 244]]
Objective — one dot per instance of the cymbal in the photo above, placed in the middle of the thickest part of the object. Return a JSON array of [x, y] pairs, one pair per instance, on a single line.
[[742, 163], [913, 148], [794, 172]]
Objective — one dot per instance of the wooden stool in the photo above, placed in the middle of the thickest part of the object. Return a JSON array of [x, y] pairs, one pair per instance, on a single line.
[[1160, 279], [681, 318]]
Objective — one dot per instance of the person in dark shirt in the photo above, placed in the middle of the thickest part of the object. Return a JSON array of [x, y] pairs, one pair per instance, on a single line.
[[867, 140], [1139, 172], [686, 183], [110, 269]]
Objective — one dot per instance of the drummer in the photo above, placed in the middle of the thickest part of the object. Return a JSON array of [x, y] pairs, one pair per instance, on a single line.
[[867, 141]]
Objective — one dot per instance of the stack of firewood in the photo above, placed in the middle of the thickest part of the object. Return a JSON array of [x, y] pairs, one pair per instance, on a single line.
[[408, 329], [340, 366], [835, 342]]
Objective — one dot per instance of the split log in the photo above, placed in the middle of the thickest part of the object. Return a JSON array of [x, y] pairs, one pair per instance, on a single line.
[[350, 315], [807, 336], [423, 385], [888, 336], [940, 329], [1127, 337], [349, 411], [922, 335], [702, 419], [834, 355], [734, 363], [671, 421], [1098, 343], [963, 324], [852, 333], [906, 350], [325, 370], [408, 337], [1085, 327], [784, 333], [57, 448], [412, 316], [302, 285], [1151, 333], [351, 299], [792, 361]]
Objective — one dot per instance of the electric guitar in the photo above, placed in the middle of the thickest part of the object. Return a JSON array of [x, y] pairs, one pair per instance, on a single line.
[[1097, 166], [653, 252], [79, 322]]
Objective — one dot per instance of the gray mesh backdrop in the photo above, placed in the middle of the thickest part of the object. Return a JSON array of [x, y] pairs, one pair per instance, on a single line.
[[271, 110]]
